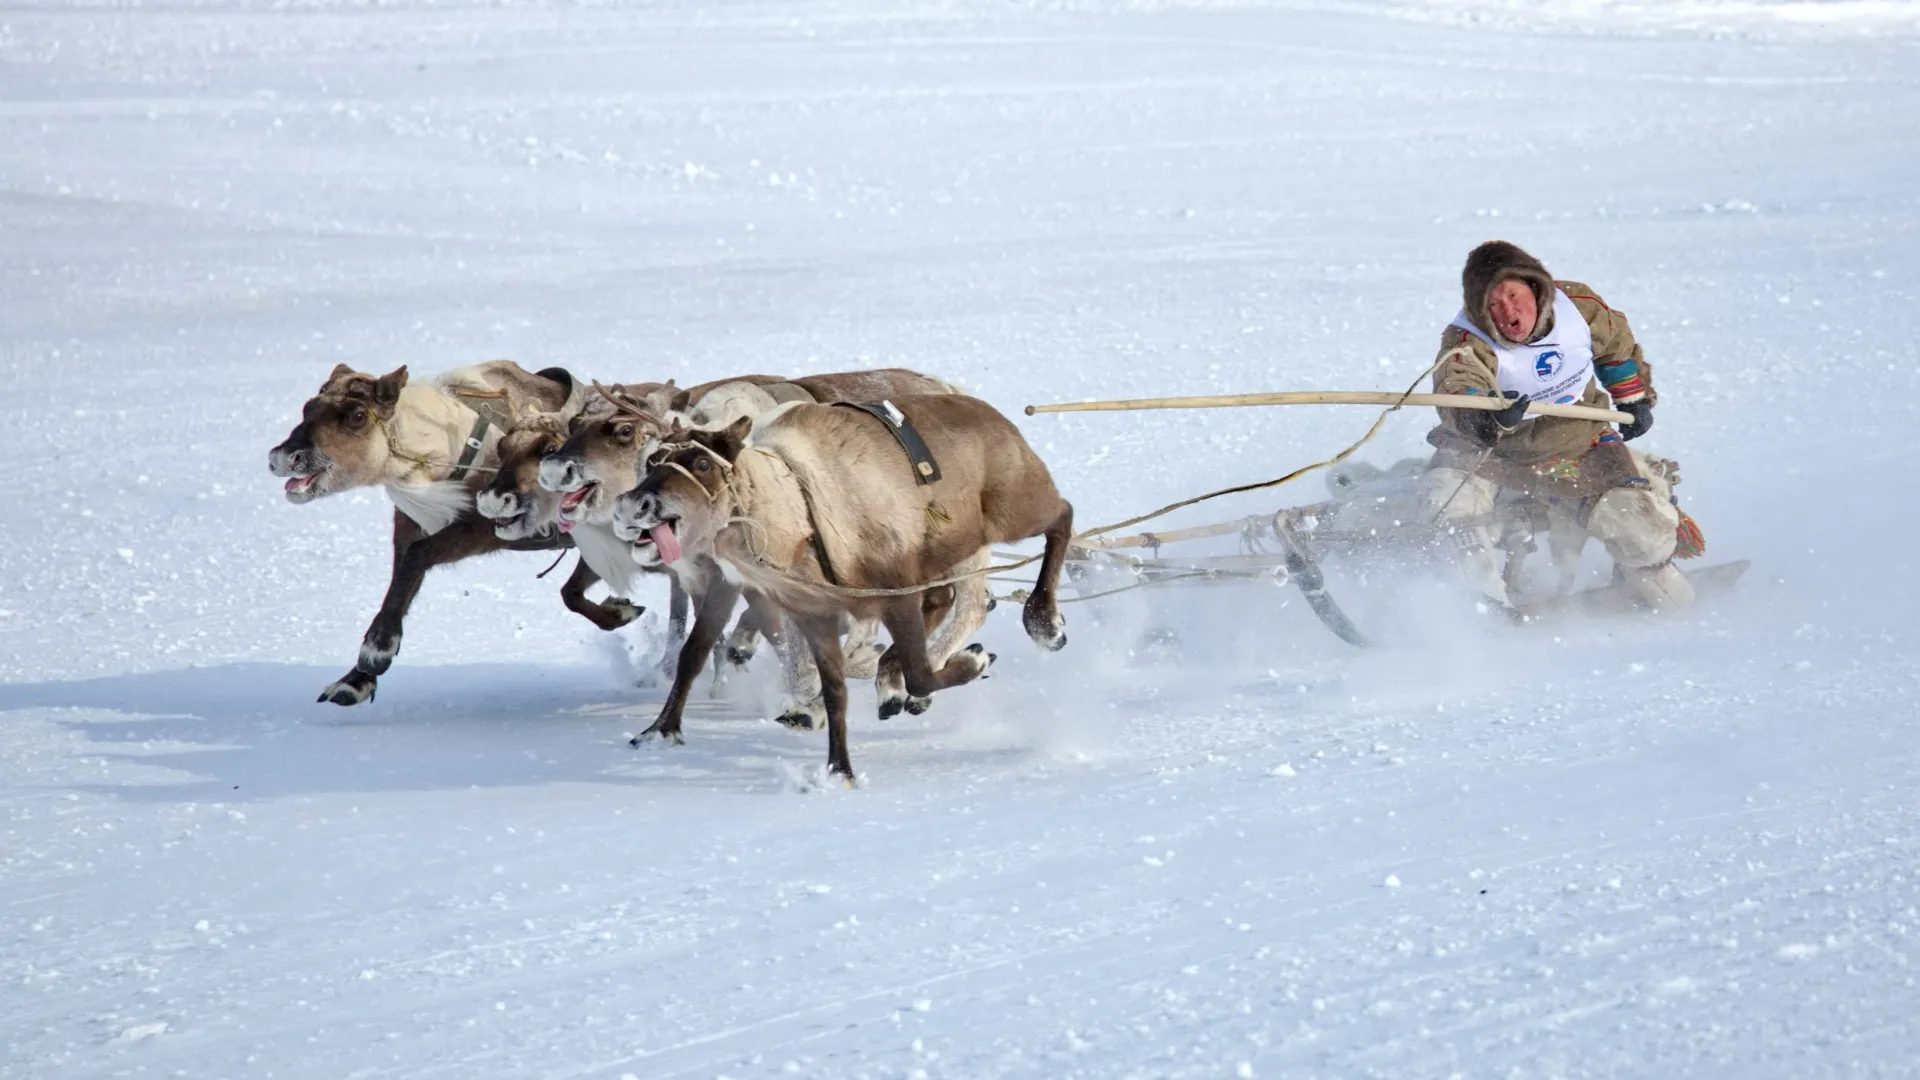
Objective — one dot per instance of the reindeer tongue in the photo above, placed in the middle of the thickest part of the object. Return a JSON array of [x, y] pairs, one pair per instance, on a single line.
[[667, 544], [566, 524]]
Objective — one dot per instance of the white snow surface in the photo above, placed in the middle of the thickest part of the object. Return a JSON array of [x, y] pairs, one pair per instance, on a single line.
[[1663, 848]]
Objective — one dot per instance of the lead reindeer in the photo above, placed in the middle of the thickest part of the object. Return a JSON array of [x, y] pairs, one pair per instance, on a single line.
[[430, 445], [816, 510]]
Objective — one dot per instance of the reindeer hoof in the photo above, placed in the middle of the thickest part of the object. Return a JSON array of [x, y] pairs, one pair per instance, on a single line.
[[918, 705], [810, 717], [356, 688], [671, 738], [890, 707], [618, 613], [1047, 629], [739, 657]]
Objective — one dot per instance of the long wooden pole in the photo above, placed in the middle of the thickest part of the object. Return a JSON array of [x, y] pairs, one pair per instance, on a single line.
[[1336, 397]]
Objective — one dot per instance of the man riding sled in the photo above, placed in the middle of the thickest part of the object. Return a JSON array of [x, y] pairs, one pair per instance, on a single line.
[[1526, 337]]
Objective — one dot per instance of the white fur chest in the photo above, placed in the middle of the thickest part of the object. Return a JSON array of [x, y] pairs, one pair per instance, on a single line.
[[432, 505], [606, 555]]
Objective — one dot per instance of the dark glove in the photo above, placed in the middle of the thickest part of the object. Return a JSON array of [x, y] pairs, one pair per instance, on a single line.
[[1485, 426], [1642, 420]]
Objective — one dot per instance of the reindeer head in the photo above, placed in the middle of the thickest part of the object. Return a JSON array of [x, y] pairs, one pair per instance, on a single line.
[[722, 405], [685, 501], [340, 442], [518, 506], [601, 456]]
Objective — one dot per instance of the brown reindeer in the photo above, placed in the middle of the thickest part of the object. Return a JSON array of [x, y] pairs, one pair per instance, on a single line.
[[819, 503], [431, 445]]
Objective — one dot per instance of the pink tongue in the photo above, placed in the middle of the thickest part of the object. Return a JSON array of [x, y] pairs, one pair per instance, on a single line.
[[666, 543], [299, 483], [566, 524]]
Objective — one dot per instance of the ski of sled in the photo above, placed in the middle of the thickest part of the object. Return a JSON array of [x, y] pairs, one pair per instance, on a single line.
[[1618, 598]]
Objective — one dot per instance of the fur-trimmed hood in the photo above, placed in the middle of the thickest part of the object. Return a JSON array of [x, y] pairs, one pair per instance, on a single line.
[[1494, 262]]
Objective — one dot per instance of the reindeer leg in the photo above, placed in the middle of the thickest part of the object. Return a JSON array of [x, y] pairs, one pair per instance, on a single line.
[[676, 620], [414, 553], [907, 623], [802, 705], [757, 621], [953, 614], [610, 614], [822, 634], [676, 610], [861, 650], [760, 620], [936, 609], [710, 618], [890, 681], [1042, 614]]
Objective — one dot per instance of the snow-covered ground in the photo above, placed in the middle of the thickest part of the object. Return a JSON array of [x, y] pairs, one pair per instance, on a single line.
[[1627, 848]]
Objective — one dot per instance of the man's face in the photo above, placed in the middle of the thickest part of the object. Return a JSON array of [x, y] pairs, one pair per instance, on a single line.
[[1513, 310]]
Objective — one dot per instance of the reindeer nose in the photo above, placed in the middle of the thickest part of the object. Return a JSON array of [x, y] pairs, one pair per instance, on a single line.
[[646, 507], [558, 473]]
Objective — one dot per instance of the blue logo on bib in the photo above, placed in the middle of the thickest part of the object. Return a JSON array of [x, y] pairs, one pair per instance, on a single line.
[[1547, 364]]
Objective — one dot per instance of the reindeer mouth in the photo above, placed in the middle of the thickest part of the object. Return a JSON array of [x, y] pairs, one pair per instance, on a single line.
[[664, 542], [305, 488], [513, 523], [572, 501]]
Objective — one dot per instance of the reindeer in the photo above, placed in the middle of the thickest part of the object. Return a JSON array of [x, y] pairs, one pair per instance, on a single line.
[[603, 457], [815, 509], [430, 444]]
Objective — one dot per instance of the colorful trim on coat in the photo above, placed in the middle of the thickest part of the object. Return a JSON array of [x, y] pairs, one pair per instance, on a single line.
[[1622, 380]]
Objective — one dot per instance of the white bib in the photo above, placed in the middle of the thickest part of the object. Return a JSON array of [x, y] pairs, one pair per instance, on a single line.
[[1554, 369]]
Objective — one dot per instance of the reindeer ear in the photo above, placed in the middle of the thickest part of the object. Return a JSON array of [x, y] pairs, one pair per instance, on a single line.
[[338, 371], [386, 389], [680, 400], [738, 431]]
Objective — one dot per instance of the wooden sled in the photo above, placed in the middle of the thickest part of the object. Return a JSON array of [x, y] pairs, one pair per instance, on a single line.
[[1373, 515]]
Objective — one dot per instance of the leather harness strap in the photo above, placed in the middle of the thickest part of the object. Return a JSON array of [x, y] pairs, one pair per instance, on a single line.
[[925, 469], [476, 441]]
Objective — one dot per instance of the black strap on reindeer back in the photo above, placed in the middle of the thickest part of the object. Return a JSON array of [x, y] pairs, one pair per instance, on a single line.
[[476, 441], [925, 469]]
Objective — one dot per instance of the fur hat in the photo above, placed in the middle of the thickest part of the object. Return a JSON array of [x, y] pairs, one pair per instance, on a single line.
[[1494, 262]]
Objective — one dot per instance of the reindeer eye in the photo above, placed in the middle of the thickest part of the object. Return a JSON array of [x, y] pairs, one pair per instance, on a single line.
[[357, 417], [701, 465], [624, 432]]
